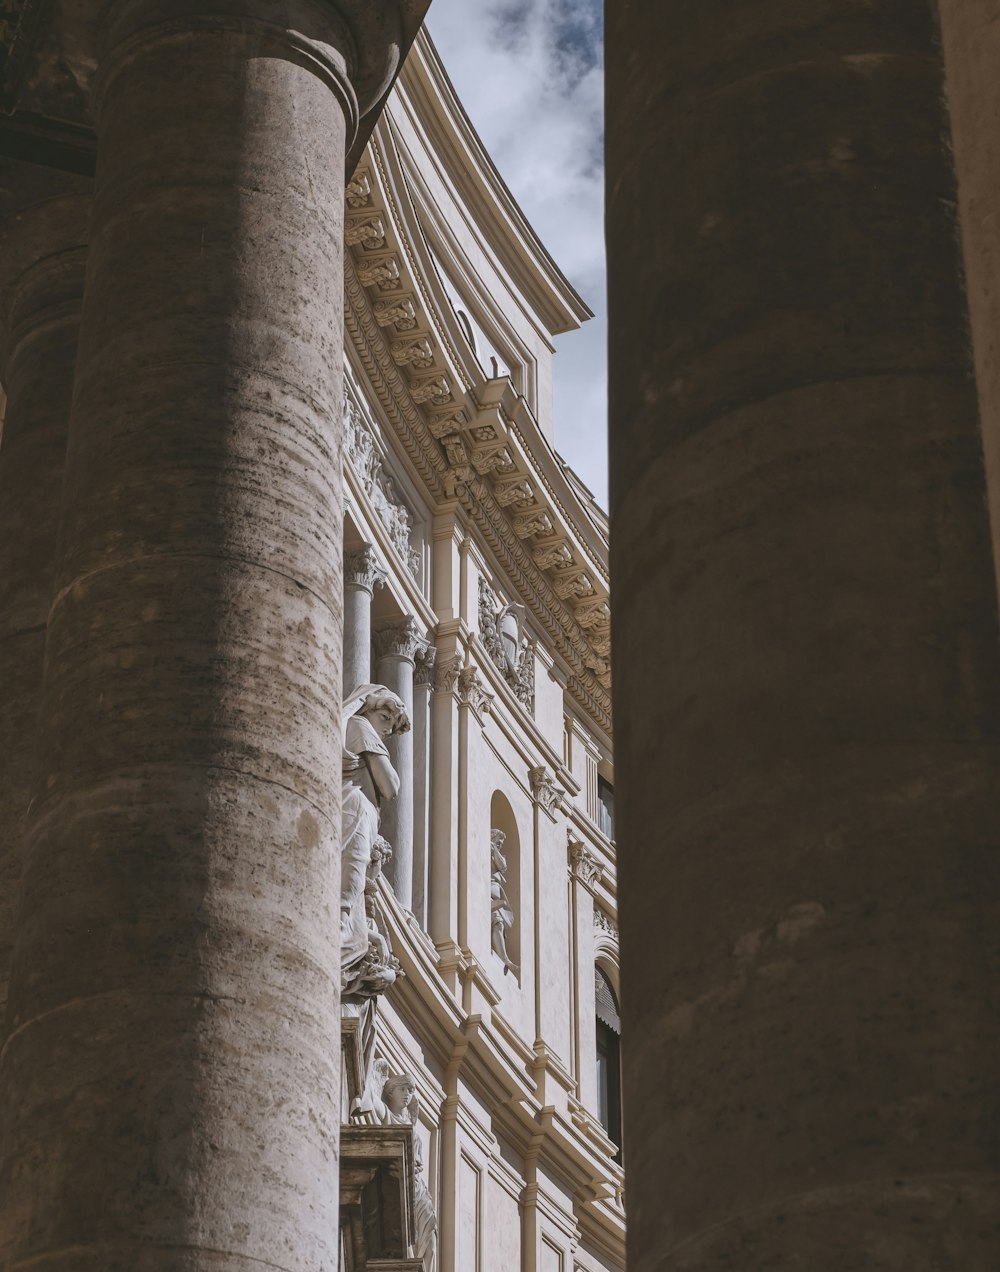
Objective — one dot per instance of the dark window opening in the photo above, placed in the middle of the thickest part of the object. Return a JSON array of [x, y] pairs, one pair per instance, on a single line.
[[605, 807], [609, 1079]]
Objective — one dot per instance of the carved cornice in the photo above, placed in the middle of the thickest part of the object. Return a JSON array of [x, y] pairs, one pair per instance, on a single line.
[[463, 449], [363, 569], [400, 640]]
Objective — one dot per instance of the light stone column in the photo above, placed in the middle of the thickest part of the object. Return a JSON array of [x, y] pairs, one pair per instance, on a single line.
[[396, 648], [362, 574], [423, 682], [170, 1084], [42, 262], [806, 656]]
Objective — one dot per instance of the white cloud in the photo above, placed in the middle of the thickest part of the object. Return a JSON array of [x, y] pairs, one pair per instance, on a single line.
[[530, 75]]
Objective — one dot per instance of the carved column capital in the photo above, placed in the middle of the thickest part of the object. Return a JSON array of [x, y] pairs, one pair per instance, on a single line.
[[363, 569], [545, 789], [423, 672], [584, 866], [400, 640], [446, 674], [472, 691]]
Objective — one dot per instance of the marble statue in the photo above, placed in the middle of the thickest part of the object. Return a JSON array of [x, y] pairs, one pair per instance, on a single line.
[[372, 713], [391, 1100], [501, 913]]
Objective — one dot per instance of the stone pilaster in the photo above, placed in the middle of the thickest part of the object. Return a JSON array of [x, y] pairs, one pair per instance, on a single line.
[[362, 574], [173, 1006], [42, 261], [396, 648], [806, 674], [423, 683]]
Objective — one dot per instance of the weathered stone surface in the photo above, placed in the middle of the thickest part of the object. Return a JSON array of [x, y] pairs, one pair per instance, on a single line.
[[807, 685], [42, 260], [171, 1080]]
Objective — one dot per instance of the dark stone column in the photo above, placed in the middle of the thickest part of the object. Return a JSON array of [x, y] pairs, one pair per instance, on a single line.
[[807, 679], [171, 1079], [42, 262]]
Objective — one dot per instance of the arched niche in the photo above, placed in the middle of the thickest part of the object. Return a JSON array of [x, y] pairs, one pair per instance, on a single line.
[[607, 1058], [505, 878]]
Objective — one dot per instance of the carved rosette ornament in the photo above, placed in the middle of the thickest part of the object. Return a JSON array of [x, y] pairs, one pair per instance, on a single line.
[[545, 789], [362, 569]]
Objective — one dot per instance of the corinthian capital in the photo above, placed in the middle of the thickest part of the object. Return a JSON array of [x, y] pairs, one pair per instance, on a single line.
[[400, 640], [362, 569]]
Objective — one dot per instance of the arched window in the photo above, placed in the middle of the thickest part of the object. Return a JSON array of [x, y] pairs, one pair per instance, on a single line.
[[609, 1078]]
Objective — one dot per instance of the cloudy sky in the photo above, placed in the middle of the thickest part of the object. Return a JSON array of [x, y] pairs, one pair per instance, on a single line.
[[530, 74]]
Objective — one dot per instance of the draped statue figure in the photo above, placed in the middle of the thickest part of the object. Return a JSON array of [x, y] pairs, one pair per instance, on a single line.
[[392, 1101], [372, 713]]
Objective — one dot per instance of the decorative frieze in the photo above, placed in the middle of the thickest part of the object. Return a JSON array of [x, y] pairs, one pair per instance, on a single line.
[[365, 456], [501, 629]]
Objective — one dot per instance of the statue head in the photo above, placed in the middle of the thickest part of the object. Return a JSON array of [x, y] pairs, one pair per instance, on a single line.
[[497, 838], [384, 710], [399, 1092]]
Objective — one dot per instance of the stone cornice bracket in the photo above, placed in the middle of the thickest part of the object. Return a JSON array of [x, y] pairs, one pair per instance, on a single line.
[[400, 640], [423, 672], [584, 866], [546, 792], [472, 692], [363, 569]]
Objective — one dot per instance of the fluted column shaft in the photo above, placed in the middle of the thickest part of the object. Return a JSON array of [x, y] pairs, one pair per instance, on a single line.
[[362, 574], [807, 678], [423, 681], [42, 262], [173, 1008], [396, 647]]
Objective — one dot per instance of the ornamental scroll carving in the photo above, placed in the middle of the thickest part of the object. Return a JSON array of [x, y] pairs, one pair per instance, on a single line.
[[501, 629], [365, 456]]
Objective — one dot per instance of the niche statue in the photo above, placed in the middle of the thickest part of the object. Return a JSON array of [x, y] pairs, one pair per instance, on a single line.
[[372, 713], [392, 1101], [501, 914]]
